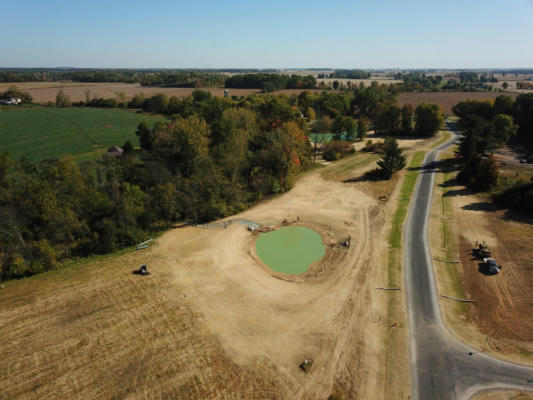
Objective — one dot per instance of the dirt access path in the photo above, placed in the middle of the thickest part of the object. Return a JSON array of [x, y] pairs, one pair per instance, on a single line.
[[209, 322]]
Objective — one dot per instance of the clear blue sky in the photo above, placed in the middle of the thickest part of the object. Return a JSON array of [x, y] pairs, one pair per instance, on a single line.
[[266, 34]]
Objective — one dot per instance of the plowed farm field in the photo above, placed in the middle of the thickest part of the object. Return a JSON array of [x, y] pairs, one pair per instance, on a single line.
[[446, 100]]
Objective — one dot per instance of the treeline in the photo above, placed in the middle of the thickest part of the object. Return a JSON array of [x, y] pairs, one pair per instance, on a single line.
[[350, 74], [486, 126], [184, 78], [524, 85], [417, 81], [214, 160], [270, 82], [346, 74]]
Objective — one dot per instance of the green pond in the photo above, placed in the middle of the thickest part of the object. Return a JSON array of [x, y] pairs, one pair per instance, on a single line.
[[290, 250]]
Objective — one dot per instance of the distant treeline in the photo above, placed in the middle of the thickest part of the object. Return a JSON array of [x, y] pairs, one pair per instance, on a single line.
[[270, 82], [346, 74], [524, 85], [149, 78], [418, 81]]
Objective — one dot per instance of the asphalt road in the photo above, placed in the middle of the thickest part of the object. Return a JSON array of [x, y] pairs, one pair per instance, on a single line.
[[441, 367]]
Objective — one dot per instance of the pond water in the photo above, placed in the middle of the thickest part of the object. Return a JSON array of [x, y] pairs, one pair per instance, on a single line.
[[290, 250]]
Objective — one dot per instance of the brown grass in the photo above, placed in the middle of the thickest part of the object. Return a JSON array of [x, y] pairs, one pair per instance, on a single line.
[[500, 322]]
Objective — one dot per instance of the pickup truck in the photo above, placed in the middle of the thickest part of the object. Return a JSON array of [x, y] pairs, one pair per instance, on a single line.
[[492, 265]]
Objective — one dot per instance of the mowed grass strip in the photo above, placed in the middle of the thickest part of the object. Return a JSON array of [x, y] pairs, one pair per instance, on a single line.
[[348, 164], [40, 133], [395, 239]]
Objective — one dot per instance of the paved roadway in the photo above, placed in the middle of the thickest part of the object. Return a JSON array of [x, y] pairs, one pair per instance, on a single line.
[[441, 367]]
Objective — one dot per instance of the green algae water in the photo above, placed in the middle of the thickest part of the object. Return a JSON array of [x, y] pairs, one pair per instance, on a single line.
[[290, 250]]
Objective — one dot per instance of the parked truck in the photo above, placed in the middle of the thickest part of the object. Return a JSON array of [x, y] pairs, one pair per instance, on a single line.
[[492, 265]]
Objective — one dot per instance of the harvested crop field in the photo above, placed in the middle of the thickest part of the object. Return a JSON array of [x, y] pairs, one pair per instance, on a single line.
[[43, 92], [500, 321], [209, 322], [446, 100]]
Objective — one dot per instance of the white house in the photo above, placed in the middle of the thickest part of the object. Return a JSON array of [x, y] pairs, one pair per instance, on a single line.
[[13, 100]]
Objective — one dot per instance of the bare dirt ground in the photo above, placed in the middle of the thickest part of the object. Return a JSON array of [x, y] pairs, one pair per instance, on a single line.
[[209, 322], [503, 395], [447, 99], [43, 92], [500, 322]]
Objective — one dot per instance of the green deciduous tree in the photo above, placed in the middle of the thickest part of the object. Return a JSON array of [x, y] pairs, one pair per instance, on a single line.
[[407, 120], [387, 118], [62, 100], [428, 118]]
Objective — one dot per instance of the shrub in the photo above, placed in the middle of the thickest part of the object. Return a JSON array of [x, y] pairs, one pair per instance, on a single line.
[[337, 149]]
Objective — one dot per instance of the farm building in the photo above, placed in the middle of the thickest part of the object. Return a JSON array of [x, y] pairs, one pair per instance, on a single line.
[[14, 101], [114, 152]]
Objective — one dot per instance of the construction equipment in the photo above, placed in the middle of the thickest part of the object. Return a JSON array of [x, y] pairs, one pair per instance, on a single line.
[[481, 250], [143, 270], [492, 265]]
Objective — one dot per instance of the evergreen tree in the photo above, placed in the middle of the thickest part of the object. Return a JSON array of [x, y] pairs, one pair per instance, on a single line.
[[393, 158]]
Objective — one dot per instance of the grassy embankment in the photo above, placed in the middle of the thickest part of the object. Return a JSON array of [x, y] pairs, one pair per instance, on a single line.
[[40, 133]]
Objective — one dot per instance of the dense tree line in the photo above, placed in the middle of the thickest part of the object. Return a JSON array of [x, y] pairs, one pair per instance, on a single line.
[[183, 79], [214, 159], [178, 78], [270, 82], [417, 81], [524, 85], [350, 74], [486, 126]]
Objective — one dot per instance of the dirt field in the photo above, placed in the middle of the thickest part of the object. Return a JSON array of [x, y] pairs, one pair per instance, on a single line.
[[501, 320], [43, 92], [446, 99], [503, 395], [210, 322]]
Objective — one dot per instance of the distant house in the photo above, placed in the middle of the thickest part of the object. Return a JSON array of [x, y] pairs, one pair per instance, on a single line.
[[13, 100], [114, 151]]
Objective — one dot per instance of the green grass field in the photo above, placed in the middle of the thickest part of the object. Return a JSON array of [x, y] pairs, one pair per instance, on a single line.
[[41, 133]]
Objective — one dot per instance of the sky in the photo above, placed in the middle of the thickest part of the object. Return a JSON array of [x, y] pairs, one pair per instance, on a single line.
[[267, 34]]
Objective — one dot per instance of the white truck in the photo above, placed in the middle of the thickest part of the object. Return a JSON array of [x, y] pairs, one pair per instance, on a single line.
[[492, 265]]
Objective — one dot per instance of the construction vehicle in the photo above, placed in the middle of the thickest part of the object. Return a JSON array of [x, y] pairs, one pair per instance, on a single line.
[[481, 251], [492, 265], [143, 270]]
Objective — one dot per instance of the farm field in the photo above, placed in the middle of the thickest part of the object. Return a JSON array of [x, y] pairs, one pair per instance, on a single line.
[[446, 100], [500, 321], [43, 92], [40, 133]]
